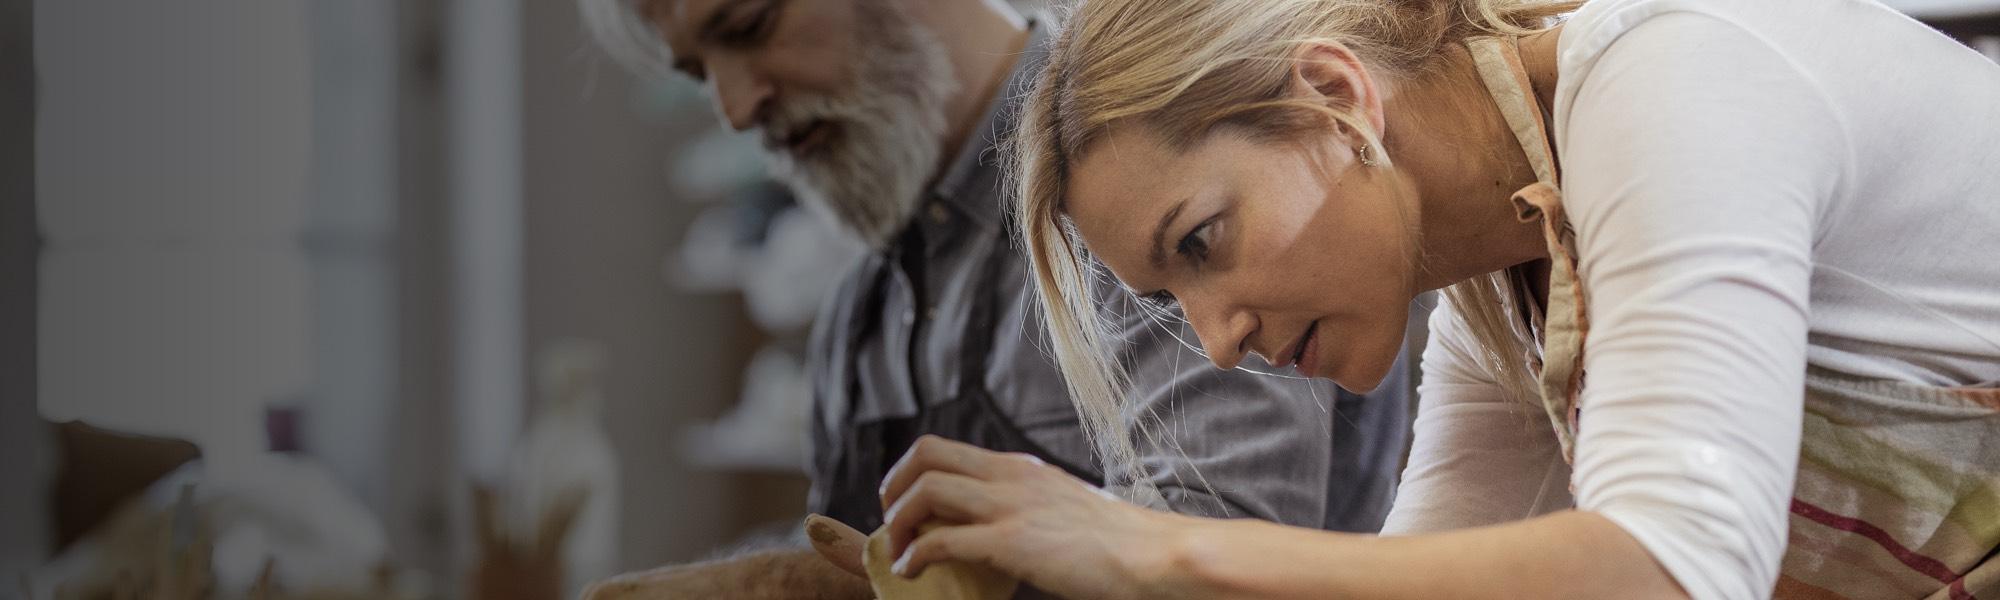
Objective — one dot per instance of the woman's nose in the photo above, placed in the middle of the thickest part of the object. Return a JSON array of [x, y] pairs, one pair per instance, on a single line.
[[1221, 329]]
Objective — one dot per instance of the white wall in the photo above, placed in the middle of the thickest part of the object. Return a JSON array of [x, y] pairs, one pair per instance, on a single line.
[[24, 444], [483, 99], [350, 245], [173, 152]]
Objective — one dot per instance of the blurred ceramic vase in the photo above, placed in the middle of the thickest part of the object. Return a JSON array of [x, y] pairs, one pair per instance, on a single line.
[[564, 451], [767, 429], [802, 259]]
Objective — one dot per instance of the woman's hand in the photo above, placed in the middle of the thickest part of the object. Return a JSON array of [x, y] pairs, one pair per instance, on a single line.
[[1031, 520], [1035, 522]]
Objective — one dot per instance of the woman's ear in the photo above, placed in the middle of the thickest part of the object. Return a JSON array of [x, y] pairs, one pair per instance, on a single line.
[[1331, 73]]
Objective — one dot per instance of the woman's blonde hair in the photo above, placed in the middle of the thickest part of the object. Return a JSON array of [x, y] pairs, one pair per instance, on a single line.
[[1183, 68]]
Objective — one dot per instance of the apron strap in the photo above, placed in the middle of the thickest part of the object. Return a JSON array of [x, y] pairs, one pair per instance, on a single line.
[[1499, 64], [1565, 322]]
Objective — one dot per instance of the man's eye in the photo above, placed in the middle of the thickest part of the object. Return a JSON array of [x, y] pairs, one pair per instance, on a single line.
[[751, 28]]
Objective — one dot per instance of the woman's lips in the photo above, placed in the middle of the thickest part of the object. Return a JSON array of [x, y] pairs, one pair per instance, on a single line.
[[1307, 361]]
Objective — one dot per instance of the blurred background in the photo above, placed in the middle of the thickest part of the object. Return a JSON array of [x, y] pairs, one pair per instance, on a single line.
[[392, 299]]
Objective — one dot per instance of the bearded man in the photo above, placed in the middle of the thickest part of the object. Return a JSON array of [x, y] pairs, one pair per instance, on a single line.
[[885, 116]]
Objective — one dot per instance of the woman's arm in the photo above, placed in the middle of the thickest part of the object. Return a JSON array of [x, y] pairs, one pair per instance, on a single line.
[[1059, 534], [1570, 554], [1700, 165], [1479, 456]]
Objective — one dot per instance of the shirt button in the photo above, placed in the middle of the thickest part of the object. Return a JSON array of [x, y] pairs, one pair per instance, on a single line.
[[938, 214], [909, 317], [930, 314]]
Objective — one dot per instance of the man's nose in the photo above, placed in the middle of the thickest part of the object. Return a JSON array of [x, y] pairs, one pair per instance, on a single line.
[[741, 94]]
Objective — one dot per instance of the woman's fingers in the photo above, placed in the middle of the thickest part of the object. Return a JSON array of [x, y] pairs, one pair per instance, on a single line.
[[939, 495], [837, 543], [965, 543], [933, 453]]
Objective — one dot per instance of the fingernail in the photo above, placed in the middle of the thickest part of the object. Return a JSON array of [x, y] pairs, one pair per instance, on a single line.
[[820, 532], [902, 566]]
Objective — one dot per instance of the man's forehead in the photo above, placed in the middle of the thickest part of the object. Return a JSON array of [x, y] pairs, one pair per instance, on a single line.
[[678, 21], [683, 15]]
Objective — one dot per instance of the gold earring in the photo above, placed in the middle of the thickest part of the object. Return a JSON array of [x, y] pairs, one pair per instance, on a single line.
[[1367, 155]]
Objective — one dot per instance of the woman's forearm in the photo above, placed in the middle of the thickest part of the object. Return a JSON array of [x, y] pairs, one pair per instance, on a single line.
[[1571, 554]]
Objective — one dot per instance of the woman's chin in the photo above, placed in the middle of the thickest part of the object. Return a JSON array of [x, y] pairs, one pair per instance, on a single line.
[[1358, 378]]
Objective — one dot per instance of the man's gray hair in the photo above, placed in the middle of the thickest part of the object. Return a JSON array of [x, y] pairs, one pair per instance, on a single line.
[[622, 29]]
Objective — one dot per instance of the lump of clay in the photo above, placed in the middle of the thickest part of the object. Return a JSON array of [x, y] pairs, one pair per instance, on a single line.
[[949, 580]]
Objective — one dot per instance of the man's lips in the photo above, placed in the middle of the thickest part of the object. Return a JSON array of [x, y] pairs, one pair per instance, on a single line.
[[801, 140]]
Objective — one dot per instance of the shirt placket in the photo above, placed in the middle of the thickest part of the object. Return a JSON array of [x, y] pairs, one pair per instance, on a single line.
[[939, 349]]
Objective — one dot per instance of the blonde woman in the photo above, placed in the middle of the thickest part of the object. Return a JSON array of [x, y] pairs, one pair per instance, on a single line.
[[1768, 232]]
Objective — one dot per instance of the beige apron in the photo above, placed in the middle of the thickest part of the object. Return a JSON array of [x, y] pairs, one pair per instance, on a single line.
[[1898, 489]]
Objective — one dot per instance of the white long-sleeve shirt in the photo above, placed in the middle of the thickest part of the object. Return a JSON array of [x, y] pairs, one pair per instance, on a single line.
[[1756, 187]]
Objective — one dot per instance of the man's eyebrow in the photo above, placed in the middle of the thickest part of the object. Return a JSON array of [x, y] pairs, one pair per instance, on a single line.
[[714, 20], [649, 10], [1160, 234]]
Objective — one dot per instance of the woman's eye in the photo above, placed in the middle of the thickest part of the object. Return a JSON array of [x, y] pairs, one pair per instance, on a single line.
[[1195, 244], [1160, 299]]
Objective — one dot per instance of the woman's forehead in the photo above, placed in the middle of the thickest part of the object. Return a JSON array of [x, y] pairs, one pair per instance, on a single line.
[[1121, 190], [1120, 174]]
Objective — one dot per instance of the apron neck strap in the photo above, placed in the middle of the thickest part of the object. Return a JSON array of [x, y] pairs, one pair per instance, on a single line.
[[1499, 63]]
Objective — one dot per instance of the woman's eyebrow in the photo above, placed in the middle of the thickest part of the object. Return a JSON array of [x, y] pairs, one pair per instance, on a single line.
[[1159, 258]]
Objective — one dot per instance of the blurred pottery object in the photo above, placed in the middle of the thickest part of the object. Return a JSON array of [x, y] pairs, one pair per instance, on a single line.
[[564, 451], [102, 469], [767, 429], [224, 526], [512, 568], [803, 258]]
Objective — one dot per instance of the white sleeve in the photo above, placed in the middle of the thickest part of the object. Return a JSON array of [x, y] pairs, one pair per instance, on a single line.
[[1477, 456], [1697, 159]]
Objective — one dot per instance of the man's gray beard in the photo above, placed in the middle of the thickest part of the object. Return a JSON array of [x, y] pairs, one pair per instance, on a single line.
[[887, 131]]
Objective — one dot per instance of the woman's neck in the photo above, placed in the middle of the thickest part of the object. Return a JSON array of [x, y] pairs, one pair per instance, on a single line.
[[1451, 143]]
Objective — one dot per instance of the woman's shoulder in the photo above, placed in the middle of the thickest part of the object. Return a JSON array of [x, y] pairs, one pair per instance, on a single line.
[[1600, 24], [1694, 83]]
